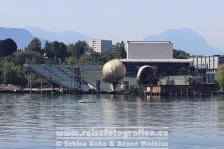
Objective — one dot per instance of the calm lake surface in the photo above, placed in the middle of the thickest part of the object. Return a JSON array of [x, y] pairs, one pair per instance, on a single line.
[[30, 121]]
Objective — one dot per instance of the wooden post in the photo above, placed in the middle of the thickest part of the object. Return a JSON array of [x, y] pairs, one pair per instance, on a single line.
[[30, 83], [187, 92], [61, 89], [181, 92], [41, 85], [51, 88]]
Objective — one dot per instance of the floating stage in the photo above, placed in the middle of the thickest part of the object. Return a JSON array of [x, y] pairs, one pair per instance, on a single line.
[[63, 79], [170, 90], [155, 90]]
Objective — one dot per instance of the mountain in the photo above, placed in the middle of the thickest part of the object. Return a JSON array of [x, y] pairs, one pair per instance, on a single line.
[[22, 37], [187, 40], [66, 37]]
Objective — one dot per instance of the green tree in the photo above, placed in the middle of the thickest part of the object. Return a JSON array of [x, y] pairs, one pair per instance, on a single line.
[[48, 49], [7, 47], [219, 76], [80, 48], [34, 45], [71, 61], [27, 57], [61, 52], [105, 57], [180, 54], [12, 74], [57, 51], [120, 50], [71, 49]]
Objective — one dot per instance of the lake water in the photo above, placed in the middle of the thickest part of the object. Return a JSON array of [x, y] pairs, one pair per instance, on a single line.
[[30, 121]]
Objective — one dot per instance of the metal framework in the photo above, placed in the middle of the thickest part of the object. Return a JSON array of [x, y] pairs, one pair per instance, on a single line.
[[65, 76]]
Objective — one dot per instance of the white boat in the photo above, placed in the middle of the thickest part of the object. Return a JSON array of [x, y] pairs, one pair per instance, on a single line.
[[86, 101]]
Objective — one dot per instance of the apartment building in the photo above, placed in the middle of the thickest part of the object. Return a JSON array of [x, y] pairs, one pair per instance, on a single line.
[[101, 45]]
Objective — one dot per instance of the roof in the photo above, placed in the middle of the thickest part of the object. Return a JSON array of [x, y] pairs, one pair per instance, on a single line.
[[158, 60], [149, 41]]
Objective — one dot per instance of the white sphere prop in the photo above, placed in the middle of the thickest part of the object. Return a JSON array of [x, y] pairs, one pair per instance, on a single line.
[[113, 71]]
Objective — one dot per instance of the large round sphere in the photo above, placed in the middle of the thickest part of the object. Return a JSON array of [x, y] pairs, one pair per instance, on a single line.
[[113, 71]]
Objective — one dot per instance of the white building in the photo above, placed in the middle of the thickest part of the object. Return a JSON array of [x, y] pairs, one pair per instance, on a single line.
[[208, 62], [101, 45], [150, 50]]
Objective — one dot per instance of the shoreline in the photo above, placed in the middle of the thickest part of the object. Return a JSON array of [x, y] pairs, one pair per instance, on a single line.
[[156, 91], [49, 91]]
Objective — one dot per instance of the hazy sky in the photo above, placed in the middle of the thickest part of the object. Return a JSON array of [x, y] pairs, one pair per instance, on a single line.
[[118, 19]]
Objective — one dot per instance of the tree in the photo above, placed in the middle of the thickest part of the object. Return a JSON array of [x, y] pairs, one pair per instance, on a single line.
[[48, 49], [71, 49], [56, 50], [80, 48], [34, 45], [27, 57], [120, 50], [59, 49], [71, 61], [105, 57], [7, 47], [219, 76], [12, 74], [180, 54], [61, 52]]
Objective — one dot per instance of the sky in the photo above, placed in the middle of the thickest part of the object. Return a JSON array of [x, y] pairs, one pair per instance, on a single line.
[[118, 19]]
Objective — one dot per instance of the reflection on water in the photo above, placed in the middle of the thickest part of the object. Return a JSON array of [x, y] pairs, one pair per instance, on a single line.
[[29, 122]]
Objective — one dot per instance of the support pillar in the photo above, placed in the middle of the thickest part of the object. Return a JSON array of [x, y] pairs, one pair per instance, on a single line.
[[30, 83], [52, 91], [41, 86], [181, 92]]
